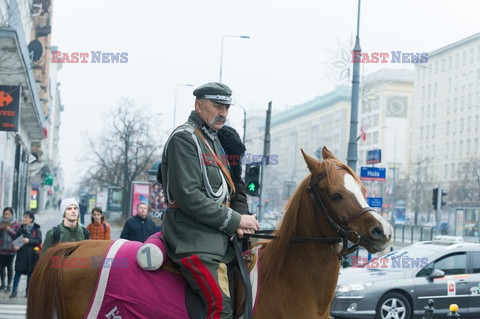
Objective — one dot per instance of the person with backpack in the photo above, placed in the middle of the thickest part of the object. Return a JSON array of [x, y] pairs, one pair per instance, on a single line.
[[27, 255], [99, 228], [69, 230]]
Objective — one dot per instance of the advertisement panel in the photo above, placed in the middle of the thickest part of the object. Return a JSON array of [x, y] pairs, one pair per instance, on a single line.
[[9, 107], [115, 197], [140, 194]]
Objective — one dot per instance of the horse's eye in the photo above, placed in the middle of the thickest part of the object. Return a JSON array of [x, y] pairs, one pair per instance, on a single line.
[[336, 197]]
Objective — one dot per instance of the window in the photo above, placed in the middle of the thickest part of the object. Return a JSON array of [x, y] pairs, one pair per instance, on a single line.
[[461, 124], [469, 101], [454, 264], [467, 147], [464, 57], [448, 106], [446, 153], [476, 261], [434, 110], [428, 110], [452, 171], [436, 67], [455, 103], [462, 103], [460, 147], [375, 137], [450, 62], [443, 65], [447, 130], [449, 85], [457, 60], [445, 171], [435, 86], [433, 130], [421, 133], [475, 145], [477, 121], [469, 123], [429, 94], [471, 55], [427, 130]]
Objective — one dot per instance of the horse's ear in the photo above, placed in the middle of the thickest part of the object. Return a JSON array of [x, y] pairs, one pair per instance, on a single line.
[[326, 153], [311, 162]]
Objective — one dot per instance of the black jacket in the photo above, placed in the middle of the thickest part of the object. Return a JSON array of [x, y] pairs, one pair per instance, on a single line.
[[138, 229], [27, 257]]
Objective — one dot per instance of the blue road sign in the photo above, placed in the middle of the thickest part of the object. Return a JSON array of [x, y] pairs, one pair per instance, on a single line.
[[374, 156], [373, 173], [375, 201]]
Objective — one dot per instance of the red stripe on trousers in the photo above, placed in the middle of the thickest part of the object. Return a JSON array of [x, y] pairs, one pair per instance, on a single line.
[[214, 303]]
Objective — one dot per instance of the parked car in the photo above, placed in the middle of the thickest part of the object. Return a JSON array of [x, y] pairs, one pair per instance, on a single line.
[[399, 284]]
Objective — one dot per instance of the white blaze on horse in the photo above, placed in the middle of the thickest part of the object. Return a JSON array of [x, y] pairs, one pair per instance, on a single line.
[[298, 271]]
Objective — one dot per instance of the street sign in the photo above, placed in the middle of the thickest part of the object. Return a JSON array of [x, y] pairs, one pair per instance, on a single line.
[[375, 201], [374, 156], [373, 174]]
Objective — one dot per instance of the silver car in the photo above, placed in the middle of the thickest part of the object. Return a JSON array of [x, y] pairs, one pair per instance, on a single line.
[[399, 284]]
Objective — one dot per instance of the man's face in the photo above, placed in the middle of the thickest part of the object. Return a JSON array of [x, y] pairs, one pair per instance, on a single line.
[[71, 213], [142, 210], [212, 113]]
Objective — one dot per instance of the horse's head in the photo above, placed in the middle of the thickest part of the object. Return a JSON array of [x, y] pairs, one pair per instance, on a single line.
[[339, 197]]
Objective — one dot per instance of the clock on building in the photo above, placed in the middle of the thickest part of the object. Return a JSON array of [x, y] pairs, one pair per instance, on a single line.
[[397, 107]]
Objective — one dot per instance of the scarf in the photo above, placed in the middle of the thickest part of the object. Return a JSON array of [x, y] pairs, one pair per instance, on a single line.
[[7, 239]]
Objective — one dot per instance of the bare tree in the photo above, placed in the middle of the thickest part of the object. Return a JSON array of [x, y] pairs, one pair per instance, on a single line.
[[124, 152]]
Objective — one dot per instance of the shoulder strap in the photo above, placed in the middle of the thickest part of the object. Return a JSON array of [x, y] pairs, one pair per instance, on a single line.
[[104, 227], [222, 167], [56, 234]]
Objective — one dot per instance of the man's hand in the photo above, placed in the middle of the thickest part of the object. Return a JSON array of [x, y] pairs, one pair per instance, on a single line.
[[248, 225]]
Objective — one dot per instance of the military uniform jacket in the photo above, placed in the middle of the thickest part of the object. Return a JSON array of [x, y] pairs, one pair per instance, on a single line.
[[194, 183]]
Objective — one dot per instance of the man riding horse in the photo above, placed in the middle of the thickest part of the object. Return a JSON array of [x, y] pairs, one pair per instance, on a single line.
[[197, 183]]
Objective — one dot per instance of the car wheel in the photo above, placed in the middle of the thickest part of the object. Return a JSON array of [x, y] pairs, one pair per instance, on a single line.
[[393, 306]]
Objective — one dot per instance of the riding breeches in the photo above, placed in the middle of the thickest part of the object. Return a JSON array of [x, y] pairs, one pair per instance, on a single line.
[[209, 279]]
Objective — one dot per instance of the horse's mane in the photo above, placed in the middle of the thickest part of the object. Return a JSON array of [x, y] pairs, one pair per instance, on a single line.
[[275, 254]]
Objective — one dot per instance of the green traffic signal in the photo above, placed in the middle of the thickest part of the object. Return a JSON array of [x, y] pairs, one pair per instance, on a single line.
[[252, 187]]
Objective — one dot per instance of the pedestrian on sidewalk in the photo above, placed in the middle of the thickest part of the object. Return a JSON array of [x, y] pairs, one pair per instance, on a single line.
[[8, 229], [140, 226], [69, 229], [27, 255], [99, 228]]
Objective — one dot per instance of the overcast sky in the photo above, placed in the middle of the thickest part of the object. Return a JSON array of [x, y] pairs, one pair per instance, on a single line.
[[178, 42]]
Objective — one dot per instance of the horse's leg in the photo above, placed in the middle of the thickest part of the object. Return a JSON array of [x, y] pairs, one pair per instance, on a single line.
[[79, 283]]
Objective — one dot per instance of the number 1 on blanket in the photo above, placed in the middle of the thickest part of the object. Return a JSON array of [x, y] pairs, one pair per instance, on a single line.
[[146, 250]]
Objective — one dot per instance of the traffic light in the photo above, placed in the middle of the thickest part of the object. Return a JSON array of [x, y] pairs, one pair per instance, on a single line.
[[443, 201], [435, 198], [252, 179]]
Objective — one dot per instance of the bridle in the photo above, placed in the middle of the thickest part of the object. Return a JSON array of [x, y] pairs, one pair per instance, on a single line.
[[345, 234]]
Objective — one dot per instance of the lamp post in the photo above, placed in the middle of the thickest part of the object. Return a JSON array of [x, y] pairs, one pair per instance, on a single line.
[[352, 156], [221, 54], [175, 104], [244, 120]]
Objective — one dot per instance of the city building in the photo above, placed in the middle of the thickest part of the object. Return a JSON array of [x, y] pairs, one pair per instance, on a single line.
[[28, 113], [444, 125]]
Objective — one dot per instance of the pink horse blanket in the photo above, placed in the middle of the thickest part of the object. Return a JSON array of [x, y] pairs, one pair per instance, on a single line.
[[124, 290]]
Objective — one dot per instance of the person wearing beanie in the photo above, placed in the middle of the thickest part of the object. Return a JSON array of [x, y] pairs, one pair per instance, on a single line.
[[69, 229], [198, 186]]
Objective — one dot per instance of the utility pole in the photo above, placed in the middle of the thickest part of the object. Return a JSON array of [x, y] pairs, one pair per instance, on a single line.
[[265, 160], [352, 144]]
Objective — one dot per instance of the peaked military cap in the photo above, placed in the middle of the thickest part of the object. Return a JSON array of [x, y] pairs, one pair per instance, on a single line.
[[215, 91]]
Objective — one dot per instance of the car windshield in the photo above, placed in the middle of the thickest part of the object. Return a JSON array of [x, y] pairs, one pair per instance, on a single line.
[[416, 256]]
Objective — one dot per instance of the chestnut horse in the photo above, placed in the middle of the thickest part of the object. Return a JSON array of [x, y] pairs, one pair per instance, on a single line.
[[298, 270]]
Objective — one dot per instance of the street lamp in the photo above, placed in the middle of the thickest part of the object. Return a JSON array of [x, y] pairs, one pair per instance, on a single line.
[[244, 120], [175, 104], [221, 54]]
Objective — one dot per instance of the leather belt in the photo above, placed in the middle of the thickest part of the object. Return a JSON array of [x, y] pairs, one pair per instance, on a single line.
[[174, 205]]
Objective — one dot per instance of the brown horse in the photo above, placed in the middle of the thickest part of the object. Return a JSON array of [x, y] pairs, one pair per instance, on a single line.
[[298, 270]]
